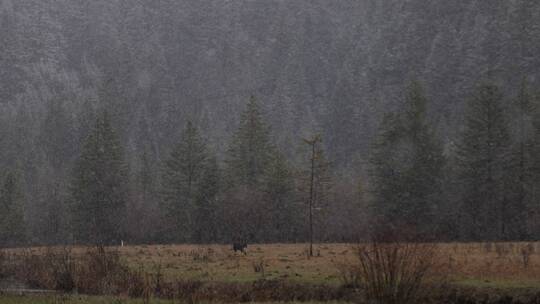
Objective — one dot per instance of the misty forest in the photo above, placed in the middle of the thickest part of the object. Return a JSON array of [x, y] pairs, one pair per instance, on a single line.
[[136, 123]]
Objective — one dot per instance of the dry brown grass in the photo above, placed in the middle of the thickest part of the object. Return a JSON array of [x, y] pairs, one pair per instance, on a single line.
[[516, 264]]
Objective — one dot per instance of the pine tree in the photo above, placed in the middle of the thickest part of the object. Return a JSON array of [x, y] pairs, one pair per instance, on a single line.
[[146, 178], [522, 162], [534, 145], [424, 174], [57, 136], [11, 52], [206, 213], [281, 212], [483, 156], [406, 168], [12, 227], [385, 171], [143, 212], [247, 160], [54, 224], [250, 151], [182, 176], [99, 186]]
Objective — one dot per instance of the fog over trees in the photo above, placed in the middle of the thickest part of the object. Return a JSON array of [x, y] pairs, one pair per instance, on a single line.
[[186, 121]]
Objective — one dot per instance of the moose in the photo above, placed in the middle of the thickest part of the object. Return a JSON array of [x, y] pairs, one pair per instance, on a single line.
[[240, 246]]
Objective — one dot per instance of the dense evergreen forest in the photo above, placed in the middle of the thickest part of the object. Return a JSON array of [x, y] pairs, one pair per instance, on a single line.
[[215, 121]]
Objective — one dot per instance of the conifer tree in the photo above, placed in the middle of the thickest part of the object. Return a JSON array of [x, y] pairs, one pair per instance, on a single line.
[[249, 164], [279, 196], [534, 174], [406, 167], [207, 209], [54, 223], [385, 171], [143, 210], [11, 70], [483, 156], [181, 181], [522, 162], [12, 227], [250, 150], [98, 186], [145, 178], [57, 136], [427, 160]]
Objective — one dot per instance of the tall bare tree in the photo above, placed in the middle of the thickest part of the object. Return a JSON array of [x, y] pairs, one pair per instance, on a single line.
[[316, 182]]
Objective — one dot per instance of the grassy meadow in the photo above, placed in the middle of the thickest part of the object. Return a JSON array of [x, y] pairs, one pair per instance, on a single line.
[[489, 266], [499, 265], [485, 264]]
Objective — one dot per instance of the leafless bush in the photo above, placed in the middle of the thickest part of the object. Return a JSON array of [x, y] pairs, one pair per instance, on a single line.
[[526, 252], [138, 285], [395, 272], [52, 269], [100, 271], [501, 250], [6, 265], [97, 271], [145, 285], [62, 267], [349, 275], [158, 279], [258, 266]]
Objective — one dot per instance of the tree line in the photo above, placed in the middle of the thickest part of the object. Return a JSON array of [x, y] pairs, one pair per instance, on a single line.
[[480, 186], [253, 195]]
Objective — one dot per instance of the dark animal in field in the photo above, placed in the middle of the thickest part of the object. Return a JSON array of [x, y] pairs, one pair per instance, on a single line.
[[240, 247]]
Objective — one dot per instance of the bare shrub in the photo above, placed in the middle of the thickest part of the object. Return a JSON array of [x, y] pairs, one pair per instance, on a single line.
[[158, 279], [349, 275], [4, 264], [526, 252], [52, 269], [138, 285], [395, 272], [258, 266], [97, 271], [100, 271], [501, 250], [62, 267]]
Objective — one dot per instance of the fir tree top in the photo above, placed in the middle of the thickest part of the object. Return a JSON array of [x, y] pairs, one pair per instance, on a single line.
[[251, 150]]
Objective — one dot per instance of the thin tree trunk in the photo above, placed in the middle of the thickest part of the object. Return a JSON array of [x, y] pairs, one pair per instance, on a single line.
[[311, 198]]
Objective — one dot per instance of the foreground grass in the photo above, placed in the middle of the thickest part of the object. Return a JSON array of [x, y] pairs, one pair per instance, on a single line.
[[65, 299], [498, 284]]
